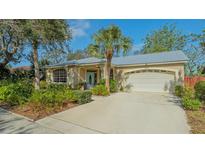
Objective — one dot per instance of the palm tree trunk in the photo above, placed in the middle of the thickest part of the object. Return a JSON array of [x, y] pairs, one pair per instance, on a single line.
[[36, 66], [108, 68]]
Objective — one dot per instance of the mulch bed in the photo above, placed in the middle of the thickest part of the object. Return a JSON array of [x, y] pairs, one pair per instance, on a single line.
[[196, 120], [28, 111]]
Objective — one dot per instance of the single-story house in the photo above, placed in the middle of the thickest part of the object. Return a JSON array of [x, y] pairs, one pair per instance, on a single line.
[[156, 72]]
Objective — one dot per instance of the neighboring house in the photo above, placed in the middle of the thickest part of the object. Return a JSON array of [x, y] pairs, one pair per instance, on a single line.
[[21, 69], [156, 72]]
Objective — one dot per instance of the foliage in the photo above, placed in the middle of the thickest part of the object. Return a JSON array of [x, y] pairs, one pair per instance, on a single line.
[[82, 97], [195, 63], [11, 41], [167, 38], [16, 93], [188, 100], [50, 98], [113, 85], [100, 90], [191, 104], [43, 84], [52, 35], [195, 52], [46, 97], [78, 54], [200, 90], [94, 51], [57, 87], [4, 73], [179, 90]]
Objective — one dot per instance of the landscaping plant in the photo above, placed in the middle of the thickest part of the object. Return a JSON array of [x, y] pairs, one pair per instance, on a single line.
[[188, 100], [200, 90], [82, 97], [16, 93], [100, 90], [179, 90], [113, 85]]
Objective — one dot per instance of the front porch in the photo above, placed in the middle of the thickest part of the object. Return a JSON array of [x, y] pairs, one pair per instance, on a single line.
[[88, 75]]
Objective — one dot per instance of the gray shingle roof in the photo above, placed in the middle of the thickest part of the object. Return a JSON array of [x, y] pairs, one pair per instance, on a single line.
[[162, 57], [91, 60]]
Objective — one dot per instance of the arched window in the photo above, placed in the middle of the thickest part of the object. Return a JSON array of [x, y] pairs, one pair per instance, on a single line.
[[59, 75]]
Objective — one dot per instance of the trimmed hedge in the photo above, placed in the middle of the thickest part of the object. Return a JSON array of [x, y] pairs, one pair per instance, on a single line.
[[200, 90]]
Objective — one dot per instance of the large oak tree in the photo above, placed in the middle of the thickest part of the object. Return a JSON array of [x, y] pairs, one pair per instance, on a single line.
[[11, 42], [47, 34]]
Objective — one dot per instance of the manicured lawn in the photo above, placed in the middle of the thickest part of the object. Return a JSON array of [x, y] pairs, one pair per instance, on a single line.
[[196, 120]]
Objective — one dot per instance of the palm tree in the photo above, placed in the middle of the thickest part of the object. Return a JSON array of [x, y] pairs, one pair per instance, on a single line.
[[109, 41]]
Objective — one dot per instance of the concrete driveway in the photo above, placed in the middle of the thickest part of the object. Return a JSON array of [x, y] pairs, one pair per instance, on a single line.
[[123, 113]]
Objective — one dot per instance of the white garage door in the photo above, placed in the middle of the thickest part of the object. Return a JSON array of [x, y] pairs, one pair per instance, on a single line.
[[150, 81]]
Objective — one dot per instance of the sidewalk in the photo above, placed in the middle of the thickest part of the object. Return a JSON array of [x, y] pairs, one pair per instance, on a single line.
[[12, 124]]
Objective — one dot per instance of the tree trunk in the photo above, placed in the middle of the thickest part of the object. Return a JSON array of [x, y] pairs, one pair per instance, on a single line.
[[108, 68], [36, 66]]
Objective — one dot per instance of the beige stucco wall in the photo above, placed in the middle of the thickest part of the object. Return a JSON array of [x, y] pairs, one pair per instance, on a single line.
[[76, 74], [176, 68]]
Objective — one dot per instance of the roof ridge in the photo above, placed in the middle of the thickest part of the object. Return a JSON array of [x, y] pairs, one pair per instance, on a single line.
[[146, 54]]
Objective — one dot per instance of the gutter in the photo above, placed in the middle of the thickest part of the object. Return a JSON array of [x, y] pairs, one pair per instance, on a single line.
[[149, 64]]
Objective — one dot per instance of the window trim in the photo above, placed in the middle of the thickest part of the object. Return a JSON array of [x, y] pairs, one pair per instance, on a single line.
[[60, 76]]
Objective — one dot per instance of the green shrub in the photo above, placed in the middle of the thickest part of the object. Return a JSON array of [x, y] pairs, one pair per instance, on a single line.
[[200, 90], [82, 97], [47, 98], [43, 84], [113, 85], [16, 93], [188, 100], [52, 98], [191, 104], [179, 90], [5, 82], [99, 90], [69, 95], [57, 87]]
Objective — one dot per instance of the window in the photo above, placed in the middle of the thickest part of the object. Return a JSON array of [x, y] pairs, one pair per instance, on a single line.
[[59, 75]]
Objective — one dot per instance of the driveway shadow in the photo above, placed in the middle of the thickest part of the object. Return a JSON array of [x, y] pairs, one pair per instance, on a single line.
[[173, 99]]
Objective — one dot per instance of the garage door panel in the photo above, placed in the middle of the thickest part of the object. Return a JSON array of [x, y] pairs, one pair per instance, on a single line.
[[150, 81]]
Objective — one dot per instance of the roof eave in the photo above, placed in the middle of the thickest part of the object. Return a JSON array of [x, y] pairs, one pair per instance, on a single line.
[[157, 63]]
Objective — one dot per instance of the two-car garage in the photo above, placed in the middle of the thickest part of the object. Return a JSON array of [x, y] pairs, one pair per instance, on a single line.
[[156, 72], [150, 81]]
